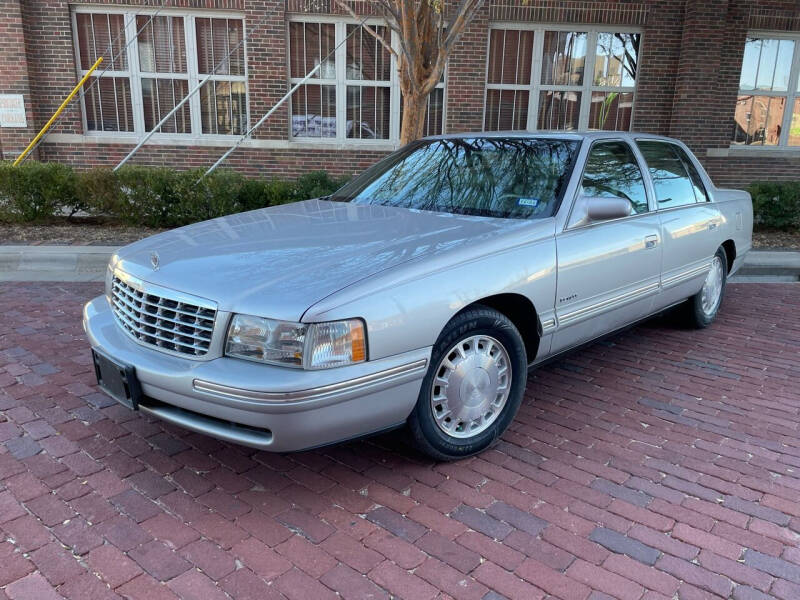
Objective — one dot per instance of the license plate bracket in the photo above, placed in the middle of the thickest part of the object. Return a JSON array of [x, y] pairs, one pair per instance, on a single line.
[[117, 380]]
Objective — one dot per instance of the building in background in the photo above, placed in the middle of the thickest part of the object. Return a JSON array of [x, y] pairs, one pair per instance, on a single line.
[[722, 75]]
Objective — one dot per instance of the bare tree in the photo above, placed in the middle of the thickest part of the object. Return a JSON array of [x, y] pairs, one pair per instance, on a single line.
[[426, 40]]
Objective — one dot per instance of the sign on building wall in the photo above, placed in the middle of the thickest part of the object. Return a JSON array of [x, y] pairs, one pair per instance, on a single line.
[[12, 111]]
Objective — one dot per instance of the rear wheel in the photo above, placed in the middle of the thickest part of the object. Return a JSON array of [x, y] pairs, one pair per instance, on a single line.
[[702, 308], [473, 387]]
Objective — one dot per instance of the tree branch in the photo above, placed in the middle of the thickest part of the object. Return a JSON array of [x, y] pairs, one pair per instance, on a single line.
[[369, 29]]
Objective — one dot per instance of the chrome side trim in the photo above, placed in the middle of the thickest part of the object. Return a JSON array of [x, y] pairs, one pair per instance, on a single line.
[[685, 276], [608, 303], [548, 324], [351, 385]]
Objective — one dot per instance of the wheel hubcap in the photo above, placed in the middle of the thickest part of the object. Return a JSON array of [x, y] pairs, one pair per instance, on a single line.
[[471, 386], [712, 288]]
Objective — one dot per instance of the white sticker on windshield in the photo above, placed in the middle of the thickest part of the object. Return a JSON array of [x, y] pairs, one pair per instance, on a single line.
[[528, 202]]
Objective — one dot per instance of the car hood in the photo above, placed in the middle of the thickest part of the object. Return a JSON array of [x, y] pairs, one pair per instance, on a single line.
[[279, 261]]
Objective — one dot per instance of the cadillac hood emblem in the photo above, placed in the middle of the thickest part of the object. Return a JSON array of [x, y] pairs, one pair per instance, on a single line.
[[155, 260]]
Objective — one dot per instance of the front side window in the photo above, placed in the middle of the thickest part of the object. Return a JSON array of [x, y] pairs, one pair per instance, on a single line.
[[671, 180], [768, 106], [152, 62], [354, 95], [612, 172], [492, 177], [564, 80]]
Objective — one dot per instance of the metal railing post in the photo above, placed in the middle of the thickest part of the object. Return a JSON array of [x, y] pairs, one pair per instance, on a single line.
[[58, 112]]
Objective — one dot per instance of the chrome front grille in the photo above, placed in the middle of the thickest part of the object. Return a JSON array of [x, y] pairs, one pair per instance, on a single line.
[[161, 318]]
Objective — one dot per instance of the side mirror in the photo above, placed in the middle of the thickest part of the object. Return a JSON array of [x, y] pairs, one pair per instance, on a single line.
[[589, 209], [604, 209]]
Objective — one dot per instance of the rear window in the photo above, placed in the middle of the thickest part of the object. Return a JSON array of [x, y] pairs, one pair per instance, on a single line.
[[513, 178]]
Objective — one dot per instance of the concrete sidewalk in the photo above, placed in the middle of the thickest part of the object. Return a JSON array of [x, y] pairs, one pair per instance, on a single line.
[[54, 263], [88, 263]]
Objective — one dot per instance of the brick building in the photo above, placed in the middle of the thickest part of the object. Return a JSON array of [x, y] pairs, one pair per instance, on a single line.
[[723, 75]]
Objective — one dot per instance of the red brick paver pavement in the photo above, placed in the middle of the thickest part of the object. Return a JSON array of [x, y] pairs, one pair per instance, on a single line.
[[660, 464]]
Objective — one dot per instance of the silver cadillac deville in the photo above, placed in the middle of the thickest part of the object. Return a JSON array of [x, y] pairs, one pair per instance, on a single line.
[[419, 294]]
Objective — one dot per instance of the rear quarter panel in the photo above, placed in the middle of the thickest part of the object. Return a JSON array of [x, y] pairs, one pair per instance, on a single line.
[[736, 208]]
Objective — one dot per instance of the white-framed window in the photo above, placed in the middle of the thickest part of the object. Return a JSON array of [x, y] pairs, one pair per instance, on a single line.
[[560, 77], [152, 64], [768, 105], [355, 96]]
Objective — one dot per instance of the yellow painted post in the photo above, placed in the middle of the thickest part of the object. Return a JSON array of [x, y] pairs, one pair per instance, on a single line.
[[58, 112]]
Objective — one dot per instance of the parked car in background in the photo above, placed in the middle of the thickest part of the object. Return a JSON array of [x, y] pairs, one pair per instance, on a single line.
[[419, 294]]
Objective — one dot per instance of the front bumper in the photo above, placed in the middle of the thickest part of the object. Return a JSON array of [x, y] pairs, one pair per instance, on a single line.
[[263, 406]]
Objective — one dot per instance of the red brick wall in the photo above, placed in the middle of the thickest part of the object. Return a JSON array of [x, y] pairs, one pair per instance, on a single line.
[[466, 77], [687, 82], [14, 75]]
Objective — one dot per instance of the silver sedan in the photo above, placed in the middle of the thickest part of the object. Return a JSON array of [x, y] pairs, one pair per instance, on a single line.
[[419, 294]]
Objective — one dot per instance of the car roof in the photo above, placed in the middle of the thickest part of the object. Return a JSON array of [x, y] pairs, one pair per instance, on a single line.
[[565, 135]]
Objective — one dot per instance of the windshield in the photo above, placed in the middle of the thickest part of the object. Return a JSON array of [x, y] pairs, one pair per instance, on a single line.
[[513, 178]]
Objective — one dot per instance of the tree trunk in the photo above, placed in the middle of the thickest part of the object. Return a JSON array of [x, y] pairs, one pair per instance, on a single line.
[[414, 108]]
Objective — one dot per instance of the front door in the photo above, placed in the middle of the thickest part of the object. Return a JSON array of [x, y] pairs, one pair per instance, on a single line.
[[608, 271]]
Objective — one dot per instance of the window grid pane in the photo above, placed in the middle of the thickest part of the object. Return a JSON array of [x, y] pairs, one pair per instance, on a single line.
[[559, 110], [368, 109], [108, 104], [162, 50], [506, 110], [314, 111], [159, 96], [583, 79], [769, 86], [758, 120], [216, 39], [794, 130], [511, 53], [563, 58], [367, 59], [309, 43], [611, 111], [368, 104], [162, 44]]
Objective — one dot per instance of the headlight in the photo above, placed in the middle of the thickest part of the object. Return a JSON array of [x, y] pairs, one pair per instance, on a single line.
[[310, 346]]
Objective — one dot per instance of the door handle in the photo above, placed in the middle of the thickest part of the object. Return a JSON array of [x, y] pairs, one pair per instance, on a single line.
[[650, 241]]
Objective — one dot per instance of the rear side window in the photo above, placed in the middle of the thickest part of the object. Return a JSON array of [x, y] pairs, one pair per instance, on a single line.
[[671, 180], [699, 189], [612, 172]]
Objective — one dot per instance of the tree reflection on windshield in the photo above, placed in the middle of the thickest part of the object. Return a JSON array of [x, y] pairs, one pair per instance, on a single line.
[[496, 177]]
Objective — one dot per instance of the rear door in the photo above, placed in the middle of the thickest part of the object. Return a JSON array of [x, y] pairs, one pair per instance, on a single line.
[[608, 271], [688, 219]]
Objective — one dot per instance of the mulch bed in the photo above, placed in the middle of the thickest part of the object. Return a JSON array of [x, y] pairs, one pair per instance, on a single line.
[[73, 232], [776, 240], [95, 232]]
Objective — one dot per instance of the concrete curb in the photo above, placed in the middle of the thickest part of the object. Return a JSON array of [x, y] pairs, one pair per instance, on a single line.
[[54, 263], [88, 263], [764, 266]]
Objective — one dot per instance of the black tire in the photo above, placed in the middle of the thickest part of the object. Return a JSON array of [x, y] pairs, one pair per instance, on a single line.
[[695, 316], [479, 320]]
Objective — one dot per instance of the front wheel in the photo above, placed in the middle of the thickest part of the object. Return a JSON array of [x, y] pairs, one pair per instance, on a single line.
[[702, 308], [473, 387]]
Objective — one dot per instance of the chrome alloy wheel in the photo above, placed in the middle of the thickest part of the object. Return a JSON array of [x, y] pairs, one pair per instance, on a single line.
[[471, 386], [712, 288]]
